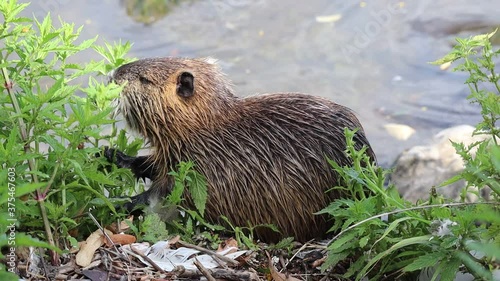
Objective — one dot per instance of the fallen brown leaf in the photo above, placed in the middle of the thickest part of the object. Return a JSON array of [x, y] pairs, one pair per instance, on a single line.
[[231, 242], [174, 240], [278, 276], [121, 239], [319, 262], [93, 242], [122, 227]]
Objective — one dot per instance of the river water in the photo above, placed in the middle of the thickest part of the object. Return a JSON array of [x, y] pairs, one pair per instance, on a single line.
[[370, 56]]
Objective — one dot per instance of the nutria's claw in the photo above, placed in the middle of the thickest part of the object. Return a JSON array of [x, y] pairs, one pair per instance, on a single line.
[[140, 166], [136, 204], [109, 153], [128, 205], [116, 156]]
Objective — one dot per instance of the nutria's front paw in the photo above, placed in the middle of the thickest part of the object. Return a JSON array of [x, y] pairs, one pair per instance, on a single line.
[[137, 203], [109, 154], [115, 156]]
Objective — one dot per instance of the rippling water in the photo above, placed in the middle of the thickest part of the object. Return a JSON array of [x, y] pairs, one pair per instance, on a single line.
[[370, 56]]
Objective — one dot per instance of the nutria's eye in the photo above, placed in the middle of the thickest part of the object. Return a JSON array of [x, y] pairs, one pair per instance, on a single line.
[[185, 84], [144, 80]]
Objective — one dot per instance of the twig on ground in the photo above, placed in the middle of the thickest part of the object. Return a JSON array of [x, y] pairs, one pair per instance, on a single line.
[[121, 254], [150, 261], [296, 253], [203, 270], [209, 252], [43, 262]]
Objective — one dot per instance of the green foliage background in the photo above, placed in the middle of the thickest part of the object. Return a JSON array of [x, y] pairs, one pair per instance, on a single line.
[[438, 236], [52, 115]]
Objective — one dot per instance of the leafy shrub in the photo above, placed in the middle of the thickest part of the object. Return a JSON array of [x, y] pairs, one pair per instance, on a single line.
[[55, 117], [437, 236], [52, 125]]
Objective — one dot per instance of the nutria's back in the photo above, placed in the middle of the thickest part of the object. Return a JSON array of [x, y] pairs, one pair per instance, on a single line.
[[264, 157]]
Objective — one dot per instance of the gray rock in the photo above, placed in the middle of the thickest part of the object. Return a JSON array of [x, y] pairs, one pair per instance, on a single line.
[[419, 168]]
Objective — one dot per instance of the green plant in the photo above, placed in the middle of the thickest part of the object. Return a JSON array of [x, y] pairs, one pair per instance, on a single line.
[[483, 169], [244, 235], [153, 229], [186, 176], [284, 244], [386, 237], [364, 242], [52, 124]]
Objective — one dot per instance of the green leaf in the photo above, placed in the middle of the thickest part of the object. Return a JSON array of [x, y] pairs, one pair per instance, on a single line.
[[49, 36], [154, 228], [11, 12], [491, 250], [56, 145], [347, 238], [28, 188], [484, 37], [451, 180], [99, 177], [284, 243], [96, 193], [198, 190], [448, 268], [451, 57], [87, 43], [364, 240], [73, 242], [4, 275], [78, 169], [401, 244], [333, 259], [68, 220], [426, 260], [28, 241], [195, 215], [175, 196], [391, 227], [249, 242], [495, 157], [356, 266], [13, 140], [45, 26]]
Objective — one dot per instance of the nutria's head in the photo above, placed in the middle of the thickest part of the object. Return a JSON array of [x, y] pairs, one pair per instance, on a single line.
[[172, 96]]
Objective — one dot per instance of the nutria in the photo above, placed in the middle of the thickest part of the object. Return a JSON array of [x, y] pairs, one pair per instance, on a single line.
[[264, 157]]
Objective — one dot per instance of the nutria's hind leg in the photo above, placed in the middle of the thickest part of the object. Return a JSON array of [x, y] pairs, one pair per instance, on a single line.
[[137, 203], [151, 197], [141, 166]]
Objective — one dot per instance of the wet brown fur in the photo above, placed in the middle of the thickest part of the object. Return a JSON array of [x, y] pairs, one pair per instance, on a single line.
[[264, 156]]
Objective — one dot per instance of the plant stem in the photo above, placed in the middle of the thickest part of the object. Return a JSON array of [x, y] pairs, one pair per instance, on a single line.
[[477, 275], [51, 181], [31, 162], [495, 80]]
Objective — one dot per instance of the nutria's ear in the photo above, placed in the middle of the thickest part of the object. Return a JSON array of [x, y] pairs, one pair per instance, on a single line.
[[185, 84]]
